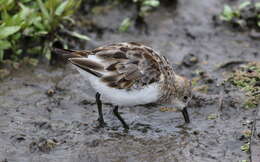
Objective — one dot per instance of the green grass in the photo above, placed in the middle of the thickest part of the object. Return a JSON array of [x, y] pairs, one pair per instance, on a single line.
[[29, 26], [144, 7], [245, 15]]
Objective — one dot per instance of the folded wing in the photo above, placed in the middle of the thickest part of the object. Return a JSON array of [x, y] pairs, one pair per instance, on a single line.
[[122, 66]]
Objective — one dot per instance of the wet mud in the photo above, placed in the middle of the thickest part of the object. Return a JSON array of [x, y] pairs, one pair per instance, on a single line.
[[48, 113]]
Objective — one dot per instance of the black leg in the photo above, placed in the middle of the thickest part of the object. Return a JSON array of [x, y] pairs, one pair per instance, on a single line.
[[100, 114], [186, 115], [116, 113]]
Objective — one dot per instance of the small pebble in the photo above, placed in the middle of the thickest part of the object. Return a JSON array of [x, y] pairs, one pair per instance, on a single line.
[[196, 132], [190, 60], [50, 92]]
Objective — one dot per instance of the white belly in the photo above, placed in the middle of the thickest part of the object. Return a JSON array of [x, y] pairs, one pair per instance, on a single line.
[[148, 94]]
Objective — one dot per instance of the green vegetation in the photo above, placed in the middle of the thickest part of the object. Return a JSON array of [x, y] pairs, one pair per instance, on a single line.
[[144, 7], [244, 160], [200, 81], [126, 23], [245, 147], [28, 27], [248, 79], [246, 15], [212, 116]]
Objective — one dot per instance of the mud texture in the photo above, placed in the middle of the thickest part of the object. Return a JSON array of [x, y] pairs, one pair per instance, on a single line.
[[49, 114]]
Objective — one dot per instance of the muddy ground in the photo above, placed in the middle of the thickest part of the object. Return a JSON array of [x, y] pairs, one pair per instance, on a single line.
[[38, 126]]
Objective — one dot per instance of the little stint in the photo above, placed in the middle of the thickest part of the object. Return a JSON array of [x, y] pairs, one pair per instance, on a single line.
[[129, 74]]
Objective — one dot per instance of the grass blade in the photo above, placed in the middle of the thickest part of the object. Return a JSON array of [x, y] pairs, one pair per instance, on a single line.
[[43, 9], [61, 8], [6, 31]]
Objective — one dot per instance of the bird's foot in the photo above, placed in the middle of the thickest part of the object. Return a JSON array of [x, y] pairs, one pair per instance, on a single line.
[[102, 123]]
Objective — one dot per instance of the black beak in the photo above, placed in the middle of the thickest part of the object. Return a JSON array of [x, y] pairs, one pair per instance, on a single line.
[[185, 115]]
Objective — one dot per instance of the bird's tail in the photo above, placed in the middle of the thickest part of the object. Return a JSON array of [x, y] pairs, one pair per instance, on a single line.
[[70, 53], [79, 59]]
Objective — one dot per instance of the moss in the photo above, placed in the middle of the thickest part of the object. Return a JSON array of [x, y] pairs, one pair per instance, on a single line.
[[195, 81], [248, 79], [212, 116]]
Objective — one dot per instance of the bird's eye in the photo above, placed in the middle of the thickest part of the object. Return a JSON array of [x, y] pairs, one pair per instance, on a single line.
[[185, 98]]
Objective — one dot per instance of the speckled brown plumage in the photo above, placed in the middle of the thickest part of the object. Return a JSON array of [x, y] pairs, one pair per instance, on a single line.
[[130, 74], [133, 66]]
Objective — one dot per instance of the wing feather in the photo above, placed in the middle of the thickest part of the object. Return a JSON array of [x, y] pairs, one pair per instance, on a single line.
[[122, 66]]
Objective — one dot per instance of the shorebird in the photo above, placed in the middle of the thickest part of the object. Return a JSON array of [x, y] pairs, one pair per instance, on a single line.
[[128, 74]]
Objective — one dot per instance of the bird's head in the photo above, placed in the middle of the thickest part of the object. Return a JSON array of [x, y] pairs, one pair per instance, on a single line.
[[184, 95]]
